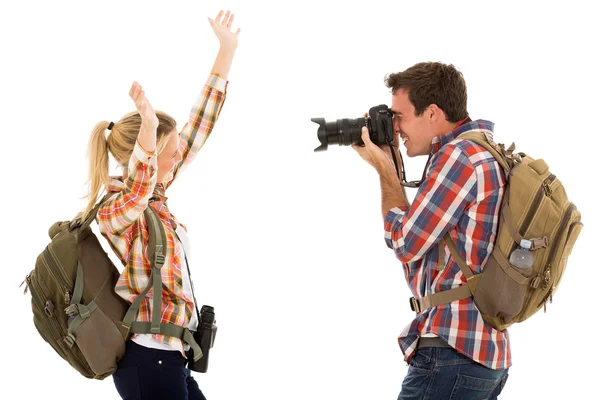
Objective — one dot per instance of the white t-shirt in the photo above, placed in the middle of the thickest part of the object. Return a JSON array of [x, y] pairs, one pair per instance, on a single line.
[[147, 340]]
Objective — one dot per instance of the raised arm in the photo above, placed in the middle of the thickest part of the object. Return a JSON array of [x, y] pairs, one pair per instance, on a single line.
[[228, 41], [206, 109], [121, 210]]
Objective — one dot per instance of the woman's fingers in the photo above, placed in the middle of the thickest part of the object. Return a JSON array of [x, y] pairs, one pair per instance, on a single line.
[[138, 96], [219, 15], [133, 90], [226, 18], [136, 91], [225, 21]]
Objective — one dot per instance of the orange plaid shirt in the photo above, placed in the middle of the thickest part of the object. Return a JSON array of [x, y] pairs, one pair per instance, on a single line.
[[122, 223]]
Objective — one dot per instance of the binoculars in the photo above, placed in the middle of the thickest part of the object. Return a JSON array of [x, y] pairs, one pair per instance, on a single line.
[[205, 337]]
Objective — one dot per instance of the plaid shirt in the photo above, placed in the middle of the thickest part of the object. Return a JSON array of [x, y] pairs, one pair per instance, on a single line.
[[121, 218], [462, 193]]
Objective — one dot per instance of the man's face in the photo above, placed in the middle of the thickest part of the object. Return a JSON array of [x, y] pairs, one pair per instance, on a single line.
[[415, 131]]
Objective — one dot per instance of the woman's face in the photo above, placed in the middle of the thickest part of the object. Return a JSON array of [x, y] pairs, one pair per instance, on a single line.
[[169, 157]]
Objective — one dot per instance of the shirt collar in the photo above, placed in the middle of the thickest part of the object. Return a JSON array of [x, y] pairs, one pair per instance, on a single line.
[[478, 125]]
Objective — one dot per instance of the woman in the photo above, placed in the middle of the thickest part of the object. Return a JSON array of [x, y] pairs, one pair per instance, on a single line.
[[152, 153]]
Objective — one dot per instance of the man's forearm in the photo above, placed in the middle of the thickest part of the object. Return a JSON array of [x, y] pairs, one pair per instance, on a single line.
[[392, 193]]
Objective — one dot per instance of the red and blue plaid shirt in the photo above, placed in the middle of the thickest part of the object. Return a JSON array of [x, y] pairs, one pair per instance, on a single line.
[[121, 218], [462, 194]]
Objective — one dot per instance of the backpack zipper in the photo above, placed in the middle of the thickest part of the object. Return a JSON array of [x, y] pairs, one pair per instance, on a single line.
[[53, 325], [547, 277], [26, 281], [57, 272], [543, 190], [55, 330]]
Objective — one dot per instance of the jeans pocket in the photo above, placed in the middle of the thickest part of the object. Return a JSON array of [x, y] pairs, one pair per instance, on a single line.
[[422, 358], [499, 388], [473, 388], [127, 383], [415, 384]]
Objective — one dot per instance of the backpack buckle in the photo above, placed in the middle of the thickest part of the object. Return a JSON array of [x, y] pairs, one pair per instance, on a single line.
[[414, 304], [538, 243], [69, 339], [84, 311]]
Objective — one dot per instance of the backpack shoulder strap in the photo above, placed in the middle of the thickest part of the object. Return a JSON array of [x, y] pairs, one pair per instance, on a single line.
[[81, 222], [448, 296], [157, 243], [505, 157]]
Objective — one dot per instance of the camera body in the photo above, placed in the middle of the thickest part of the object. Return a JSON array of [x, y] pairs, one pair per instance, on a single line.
[[346, 131], [205, 337]]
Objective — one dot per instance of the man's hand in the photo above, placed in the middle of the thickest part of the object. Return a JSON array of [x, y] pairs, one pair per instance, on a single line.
[[392, 193], [377, 157], [222, 29]]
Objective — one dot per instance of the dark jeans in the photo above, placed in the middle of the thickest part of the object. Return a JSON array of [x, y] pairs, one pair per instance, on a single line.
[[443, 373], [152, 374]]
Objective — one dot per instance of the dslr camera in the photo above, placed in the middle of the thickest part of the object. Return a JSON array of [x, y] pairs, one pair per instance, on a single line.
[[205, 337], [346, 131]]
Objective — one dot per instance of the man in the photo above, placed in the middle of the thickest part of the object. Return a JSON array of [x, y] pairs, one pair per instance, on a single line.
[[451, 351]]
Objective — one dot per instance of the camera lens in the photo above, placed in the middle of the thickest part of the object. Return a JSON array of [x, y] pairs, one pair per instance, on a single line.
[[344, 132]]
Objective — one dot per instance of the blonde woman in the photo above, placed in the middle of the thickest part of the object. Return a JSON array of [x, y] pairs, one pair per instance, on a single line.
[[152, 153]]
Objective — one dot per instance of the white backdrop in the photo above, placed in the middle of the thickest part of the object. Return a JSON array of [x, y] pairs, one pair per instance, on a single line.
[[287, 243]]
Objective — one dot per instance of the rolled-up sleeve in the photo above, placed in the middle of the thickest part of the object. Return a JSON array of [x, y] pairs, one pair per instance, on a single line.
[[121, 210]]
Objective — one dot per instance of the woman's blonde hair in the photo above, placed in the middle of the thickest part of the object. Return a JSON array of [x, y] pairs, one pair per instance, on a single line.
[[119, 144]]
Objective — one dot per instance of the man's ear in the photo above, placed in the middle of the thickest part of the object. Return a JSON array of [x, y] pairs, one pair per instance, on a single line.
[[434, 114]]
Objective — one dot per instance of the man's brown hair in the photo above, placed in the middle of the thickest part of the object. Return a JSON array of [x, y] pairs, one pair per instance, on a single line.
[[433, 83]]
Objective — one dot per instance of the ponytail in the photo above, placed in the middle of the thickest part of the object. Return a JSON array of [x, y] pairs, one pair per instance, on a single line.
[[99, 165], [120, 144]]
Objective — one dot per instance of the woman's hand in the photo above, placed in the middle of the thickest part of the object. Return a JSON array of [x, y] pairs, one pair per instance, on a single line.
[[147, 135], [222, 29], [137, 94]]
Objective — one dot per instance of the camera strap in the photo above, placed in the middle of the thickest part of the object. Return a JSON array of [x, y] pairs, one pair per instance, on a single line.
[[394, 159], [191, 282], [400, 172]]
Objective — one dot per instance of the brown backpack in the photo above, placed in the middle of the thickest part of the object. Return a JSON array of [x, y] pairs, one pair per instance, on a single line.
[[535, 214], [75, 307]]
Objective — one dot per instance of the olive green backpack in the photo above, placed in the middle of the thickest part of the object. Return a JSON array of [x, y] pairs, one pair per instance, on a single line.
[[535, 213], [75, 307]]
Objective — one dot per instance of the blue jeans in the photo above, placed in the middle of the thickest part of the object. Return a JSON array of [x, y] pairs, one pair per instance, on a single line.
[[436, 373], [152, 374]]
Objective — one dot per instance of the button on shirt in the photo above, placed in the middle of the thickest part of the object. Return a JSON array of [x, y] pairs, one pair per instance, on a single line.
[[462, 194]]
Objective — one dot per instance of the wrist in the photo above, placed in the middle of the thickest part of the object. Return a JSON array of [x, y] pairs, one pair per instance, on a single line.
[[386, 168], [228, 48], [148, 125]]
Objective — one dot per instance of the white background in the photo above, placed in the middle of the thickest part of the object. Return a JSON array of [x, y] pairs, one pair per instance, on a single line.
[[287, 243]]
